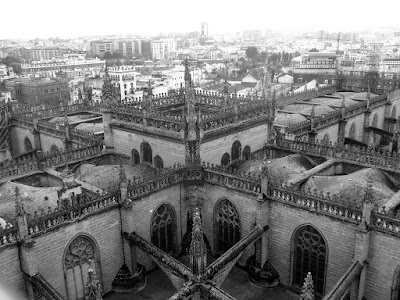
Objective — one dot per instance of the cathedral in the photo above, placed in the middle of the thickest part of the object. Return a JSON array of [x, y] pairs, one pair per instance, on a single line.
[[300, 191]]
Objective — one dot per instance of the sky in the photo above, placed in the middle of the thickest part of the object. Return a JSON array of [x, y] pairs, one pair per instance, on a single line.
[[28, 19]]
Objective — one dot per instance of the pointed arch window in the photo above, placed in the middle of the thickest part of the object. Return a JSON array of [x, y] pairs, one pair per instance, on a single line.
[[28, 145], [310, 254], [227, 226], [236, 151], [163, 228], [147, 153], [76, 258]]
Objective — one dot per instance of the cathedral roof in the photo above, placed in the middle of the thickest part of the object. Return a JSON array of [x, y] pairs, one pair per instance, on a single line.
[[351, 187], [286, 119]]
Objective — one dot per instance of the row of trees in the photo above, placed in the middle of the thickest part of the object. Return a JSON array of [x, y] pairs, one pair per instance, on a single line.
[[13, 62]]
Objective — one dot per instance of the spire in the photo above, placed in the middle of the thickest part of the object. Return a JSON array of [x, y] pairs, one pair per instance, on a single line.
[[198, 249], [368, 191], [307, 292], [188, 77], [312, 117], [108, 95], [122, 174], [19, 206], [93, 287]]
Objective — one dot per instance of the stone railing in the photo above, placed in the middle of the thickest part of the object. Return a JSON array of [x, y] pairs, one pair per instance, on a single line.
[[139, 187], [43, 111], [42, 221], [373, 156], [386, 222], [43, 288], [36, 162], [246, 182], [317, 202], [8, 235], [305, 95]]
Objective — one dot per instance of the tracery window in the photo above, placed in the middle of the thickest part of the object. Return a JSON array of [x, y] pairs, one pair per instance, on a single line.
[[54, 150], [77, 256], [135, 157], [225, 160], [163, 228], [227, 226], [246, 153], [352, 132], [395, 293], [309, 256], [158, 162]]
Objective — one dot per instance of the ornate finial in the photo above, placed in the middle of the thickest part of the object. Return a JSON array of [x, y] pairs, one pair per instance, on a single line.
[[307, 292], [225, 87], [93, 287], [66, 122], [122, 174], [368, 191], [343, 106], [108, 94], [198, 249], [368, 93], [188, 77]]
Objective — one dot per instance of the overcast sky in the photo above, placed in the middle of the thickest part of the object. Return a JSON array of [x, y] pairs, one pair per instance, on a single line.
[[73, 18]]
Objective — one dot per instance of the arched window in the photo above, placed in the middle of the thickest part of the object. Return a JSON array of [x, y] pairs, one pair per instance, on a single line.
[[163, 228], [28, 145], [225, 160], [135, 157], [54, 150], [352, 131], [246, 154], [79, 251], [326, 139], [227, 226], [310, 253], [236, 151], [396, 285], [147, 154], [158, 162]]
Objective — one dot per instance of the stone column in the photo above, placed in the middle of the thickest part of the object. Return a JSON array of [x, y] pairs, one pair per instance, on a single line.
[[341, 132], [386, 123]]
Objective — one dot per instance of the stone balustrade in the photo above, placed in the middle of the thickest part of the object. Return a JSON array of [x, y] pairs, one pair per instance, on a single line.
[[42, 221], [370, 156], [8, 235], [317, 202], [386, 222]]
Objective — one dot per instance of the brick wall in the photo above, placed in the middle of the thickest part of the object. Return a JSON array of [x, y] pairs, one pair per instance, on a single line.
[[340, 238], [103, 228], [384, 259], [169, 151], [212, 151], [11, 278]]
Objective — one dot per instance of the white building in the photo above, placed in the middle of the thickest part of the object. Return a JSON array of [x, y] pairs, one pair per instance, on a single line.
[[123, 77], [157, 49]]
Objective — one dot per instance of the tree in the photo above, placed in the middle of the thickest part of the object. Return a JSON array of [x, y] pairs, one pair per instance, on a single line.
[[251, 52], [107, 55], [307, 292], [313, 50]]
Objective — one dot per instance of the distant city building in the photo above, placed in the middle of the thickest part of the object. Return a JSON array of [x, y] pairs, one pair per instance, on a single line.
[[123, 78], [157, 49], [315, 62], [204, 29], [36, 91], [100, 47], [43, 53], [391, 65]]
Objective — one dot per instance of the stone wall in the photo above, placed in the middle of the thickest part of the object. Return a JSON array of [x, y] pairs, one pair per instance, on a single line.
[[339, 236], [47, 141], [331, 131], [11, 277], [18, 135], [212, 151], [384, 260], [170, 152], [103, 228]]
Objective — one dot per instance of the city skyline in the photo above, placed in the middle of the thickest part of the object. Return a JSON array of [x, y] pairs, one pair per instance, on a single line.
[[41, 19]]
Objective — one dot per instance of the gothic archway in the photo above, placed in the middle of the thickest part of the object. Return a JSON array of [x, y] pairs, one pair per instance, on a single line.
[[54, 150], [395, 291], [135, 157], [326, 139], [28, 144], [77, 255], [236, 151], [309, 255], [163, 228], [147, 153], [225, 160], [352, 131], [246, 154], [227, 226], [158, 162]]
